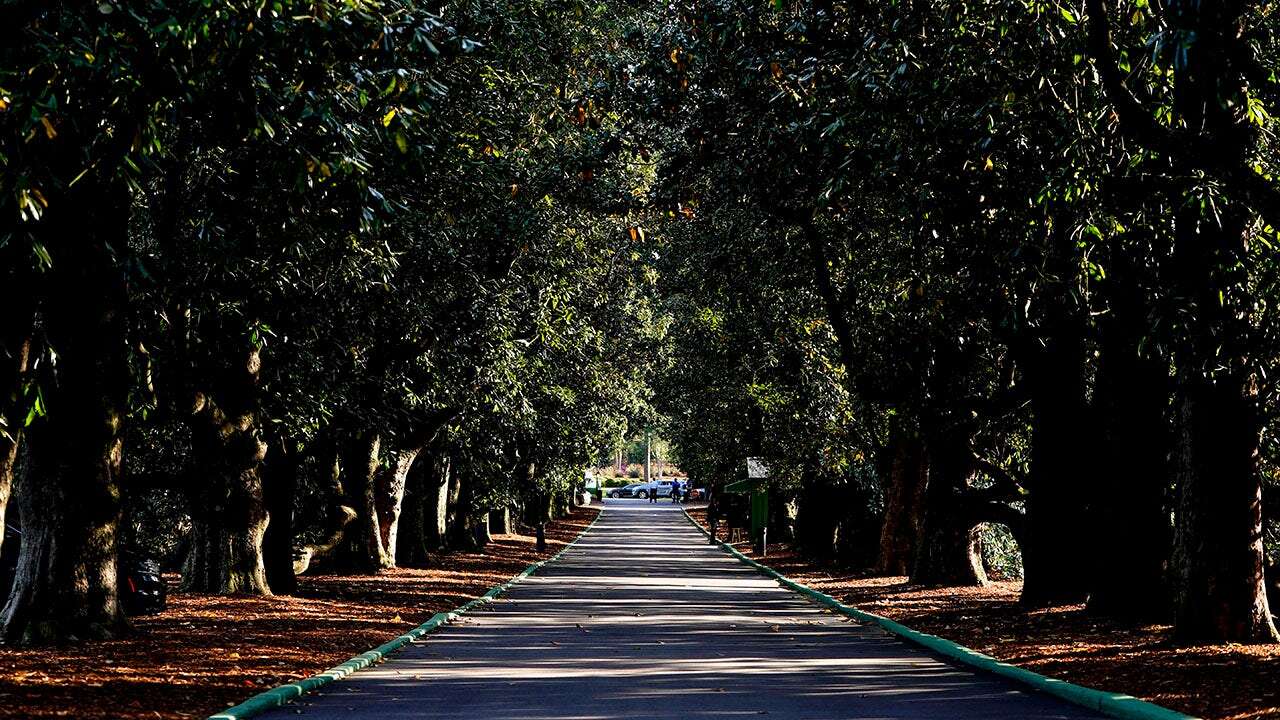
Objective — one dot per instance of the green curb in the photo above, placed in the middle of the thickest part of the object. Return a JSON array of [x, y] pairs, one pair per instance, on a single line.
[[282, 695], [1113, 704]]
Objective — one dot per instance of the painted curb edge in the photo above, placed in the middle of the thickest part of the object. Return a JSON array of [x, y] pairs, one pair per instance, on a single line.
[[1116, 705], [283, 694]]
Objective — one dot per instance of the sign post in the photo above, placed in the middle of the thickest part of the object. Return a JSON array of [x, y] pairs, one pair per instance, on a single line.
[[758, 473]]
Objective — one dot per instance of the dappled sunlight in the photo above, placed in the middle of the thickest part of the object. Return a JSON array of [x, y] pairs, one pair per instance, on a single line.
[[1062, 641], [206, 652], [644, 619]]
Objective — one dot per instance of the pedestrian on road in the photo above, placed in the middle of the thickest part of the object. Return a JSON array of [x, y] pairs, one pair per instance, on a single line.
[[675, 491], [653, 493]]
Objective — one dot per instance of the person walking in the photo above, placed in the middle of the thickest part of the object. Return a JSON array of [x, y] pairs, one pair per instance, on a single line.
[[675, 491], [653, 492]]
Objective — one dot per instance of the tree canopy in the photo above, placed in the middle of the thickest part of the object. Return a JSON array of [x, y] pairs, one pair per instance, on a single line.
[[334, 282]]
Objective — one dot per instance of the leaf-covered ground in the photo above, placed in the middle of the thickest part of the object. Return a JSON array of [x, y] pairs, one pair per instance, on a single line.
[[206, 652], [1216, 682]]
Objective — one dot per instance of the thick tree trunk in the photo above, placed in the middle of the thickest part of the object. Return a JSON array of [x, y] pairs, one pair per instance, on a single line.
[[15, 347], [480, 532], [1130, 518], [423, 528], [1221, 594], [411, 546], [64, 587], [563, 503], [228, 508], [500, 521], [436, 508], [537, 506], [65, 584], [9, 446], [454, 517], [817, 519], [1054, 565], [904, 497], [526, 481], [858, 532], [782, 517], [228, 521], [362, 549], [281, 481], [389, 498], [948, 551], [469, 527], [340, 514], [1218, 552]]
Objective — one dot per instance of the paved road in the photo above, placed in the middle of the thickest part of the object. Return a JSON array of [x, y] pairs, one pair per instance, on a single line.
[[643, 619]]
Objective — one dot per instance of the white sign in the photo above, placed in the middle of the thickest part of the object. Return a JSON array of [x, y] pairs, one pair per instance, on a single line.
[[756, 469]]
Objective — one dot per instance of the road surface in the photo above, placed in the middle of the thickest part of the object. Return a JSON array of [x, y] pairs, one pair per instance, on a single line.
[[644, 619]]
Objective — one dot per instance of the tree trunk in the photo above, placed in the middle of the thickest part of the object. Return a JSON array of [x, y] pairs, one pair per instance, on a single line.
[[480, 531], [65, 583], [1130, 518], [1221, 594], [817, 519], [436, 509], [339, 514], [391, 483], [948, 551], [782, 517], [15, 346], [411, 547], [362, 549], [228, 508], [858, 532], [64, 587], [907, 478], [1053, 563], [454, 517], [9, 446], [281, 481], [500, 521], [469, 529]]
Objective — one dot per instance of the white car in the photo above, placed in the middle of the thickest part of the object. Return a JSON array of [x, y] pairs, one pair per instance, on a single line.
[[661, 488]]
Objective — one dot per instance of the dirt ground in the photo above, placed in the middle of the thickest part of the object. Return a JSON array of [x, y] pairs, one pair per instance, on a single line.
[[207, 652], [1216, 682]]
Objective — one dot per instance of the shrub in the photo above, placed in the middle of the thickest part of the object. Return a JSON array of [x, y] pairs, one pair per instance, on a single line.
[[1000, 553]]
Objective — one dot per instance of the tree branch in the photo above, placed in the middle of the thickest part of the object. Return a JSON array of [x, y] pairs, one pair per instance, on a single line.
[[1008, 481], [1188, 148]]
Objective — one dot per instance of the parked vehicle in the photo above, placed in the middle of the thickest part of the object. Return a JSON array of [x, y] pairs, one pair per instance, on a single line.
[[660, 488], [142, 589], [637, 490]]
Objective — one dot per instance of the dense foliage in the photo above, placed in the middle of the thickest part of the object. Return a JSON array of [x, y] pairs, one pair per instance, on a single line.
[[991, 285], [281, 274], [962, 263]]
